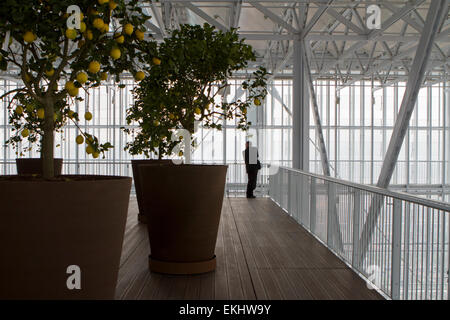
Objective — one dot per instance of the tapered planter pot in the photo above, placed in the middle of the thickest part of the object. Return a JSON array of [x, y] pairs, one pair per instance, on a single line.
[[49, 229], [137, 186], [183, 205], [34, 166]]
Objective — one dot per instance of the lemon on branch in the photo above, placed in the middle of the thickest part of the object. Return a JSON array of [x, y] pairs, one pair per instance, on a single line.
[[19, 110], [50, 72], [139, 34], [156, 61], [112, 5], [156, 123], [98, 24], [69, 85], [128, 29], [257, 102], [73, 92], [198, 110], [88, 116], [94, 67], [82, 77], [115, 53], [29, 36], [71, 34], [140, 75], [25, 133], [104, 76], [89, 149], [89, 35], [70, 113], [82, 27], [102, 2], [40, 113], [95, 155], [120, 39], [79, 139]]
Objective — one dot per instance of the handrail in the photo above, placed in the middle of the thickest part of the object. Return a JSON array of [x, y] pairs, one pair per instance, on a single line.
[[439, 205]]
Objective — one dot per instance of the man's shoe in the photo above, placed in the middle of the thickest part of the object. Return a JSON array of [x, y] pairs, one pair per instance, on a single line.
[[251, 197]]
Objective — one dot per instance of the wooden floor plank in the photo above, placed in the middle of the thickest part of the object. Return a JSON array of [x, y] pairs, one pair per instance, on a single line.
[[262, 253]]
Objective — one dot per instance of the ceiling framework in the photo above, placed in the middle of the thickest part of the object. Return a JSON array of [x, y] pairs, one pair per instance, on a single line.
[[339, 45]]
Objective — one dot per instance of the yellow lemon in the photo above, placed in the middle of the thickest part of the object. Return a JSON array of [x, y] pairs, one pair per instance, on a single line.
[[71, 33], [82, 77], [82, 27], [79, 139], [73, 92], [105, 28], [104, 76], [139, 34], [70, 113], [25, 133], [95, 155], [156, 123], [50, 72], [115, 53], [94, 67], [98, 24], [140, 75], [128, 29], [156, 61], [198, 110], [40, 113], [19, 110], [171, 116], [89, 149], [89, 35], [29, 37], [180, 154], [69, 85], [120, 39], [257, 102], [112, 5], [88, 116], [100, 2]]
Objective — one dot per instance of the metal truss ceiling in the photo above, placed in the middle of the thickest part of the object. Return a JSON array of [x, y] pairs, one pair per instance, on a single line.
[[339, 44]]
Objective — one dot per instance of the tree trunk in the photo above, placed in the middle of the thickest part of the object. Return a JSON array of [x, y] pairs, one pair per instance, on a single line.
[[47, 151]]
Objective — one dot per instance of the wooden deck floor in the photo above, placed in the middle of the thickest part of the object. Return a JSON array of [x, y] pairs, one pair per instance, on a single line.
[[261, 254]]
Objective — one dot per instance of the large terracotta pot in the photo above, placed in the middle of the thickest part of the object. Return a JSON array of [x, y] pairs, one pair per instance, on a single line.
[[34, 166], [82, 225], [137, 186], [183, 205]]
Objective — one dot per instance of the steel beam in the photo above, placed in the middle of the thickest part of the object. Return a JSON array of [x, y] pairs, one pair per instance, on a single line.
[[300, 111], [415, 79]]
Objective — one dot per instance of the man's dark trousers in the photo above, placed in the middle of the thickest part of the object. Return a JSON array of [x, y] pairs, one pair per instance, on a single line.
[[252, 172]]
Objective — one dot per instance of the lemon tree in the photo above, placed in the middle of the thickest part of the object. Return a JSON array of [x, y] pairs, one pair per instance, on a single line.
[[183, 82], [56, 60]]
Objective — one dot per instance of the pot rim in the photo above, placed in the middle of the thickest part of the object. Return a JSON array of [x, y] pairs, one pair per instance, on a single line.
[[184, 165], [90, 178]]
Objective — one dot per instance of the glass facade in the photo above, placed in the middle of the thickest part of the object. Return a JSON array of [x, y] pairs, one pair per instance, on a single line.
[[356, 134]]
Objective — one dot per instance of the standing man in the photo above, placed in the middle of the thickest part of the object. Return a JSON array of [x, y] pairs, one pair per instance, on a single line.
[[252, 165]]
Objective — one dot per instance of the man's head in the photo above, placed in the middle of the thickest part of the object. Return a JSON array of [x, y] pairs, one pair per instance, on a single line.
[[248, 144]]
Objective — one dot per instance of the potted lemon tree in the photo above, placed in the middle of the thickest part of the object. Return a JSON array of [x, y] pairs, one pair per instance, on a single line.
[[183, 202], [61, 236]]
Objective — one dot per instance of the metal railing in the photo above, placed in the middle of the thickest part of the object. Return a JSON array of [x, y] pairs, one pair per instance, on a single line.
[[398, 242]]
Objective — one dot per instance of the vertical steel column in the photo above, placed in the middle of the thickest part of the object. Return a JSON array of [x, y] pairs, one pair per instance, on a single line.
[[415, 79], [396, 248], [446, 151], [356, 222], [300, 111], [316, 115]]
